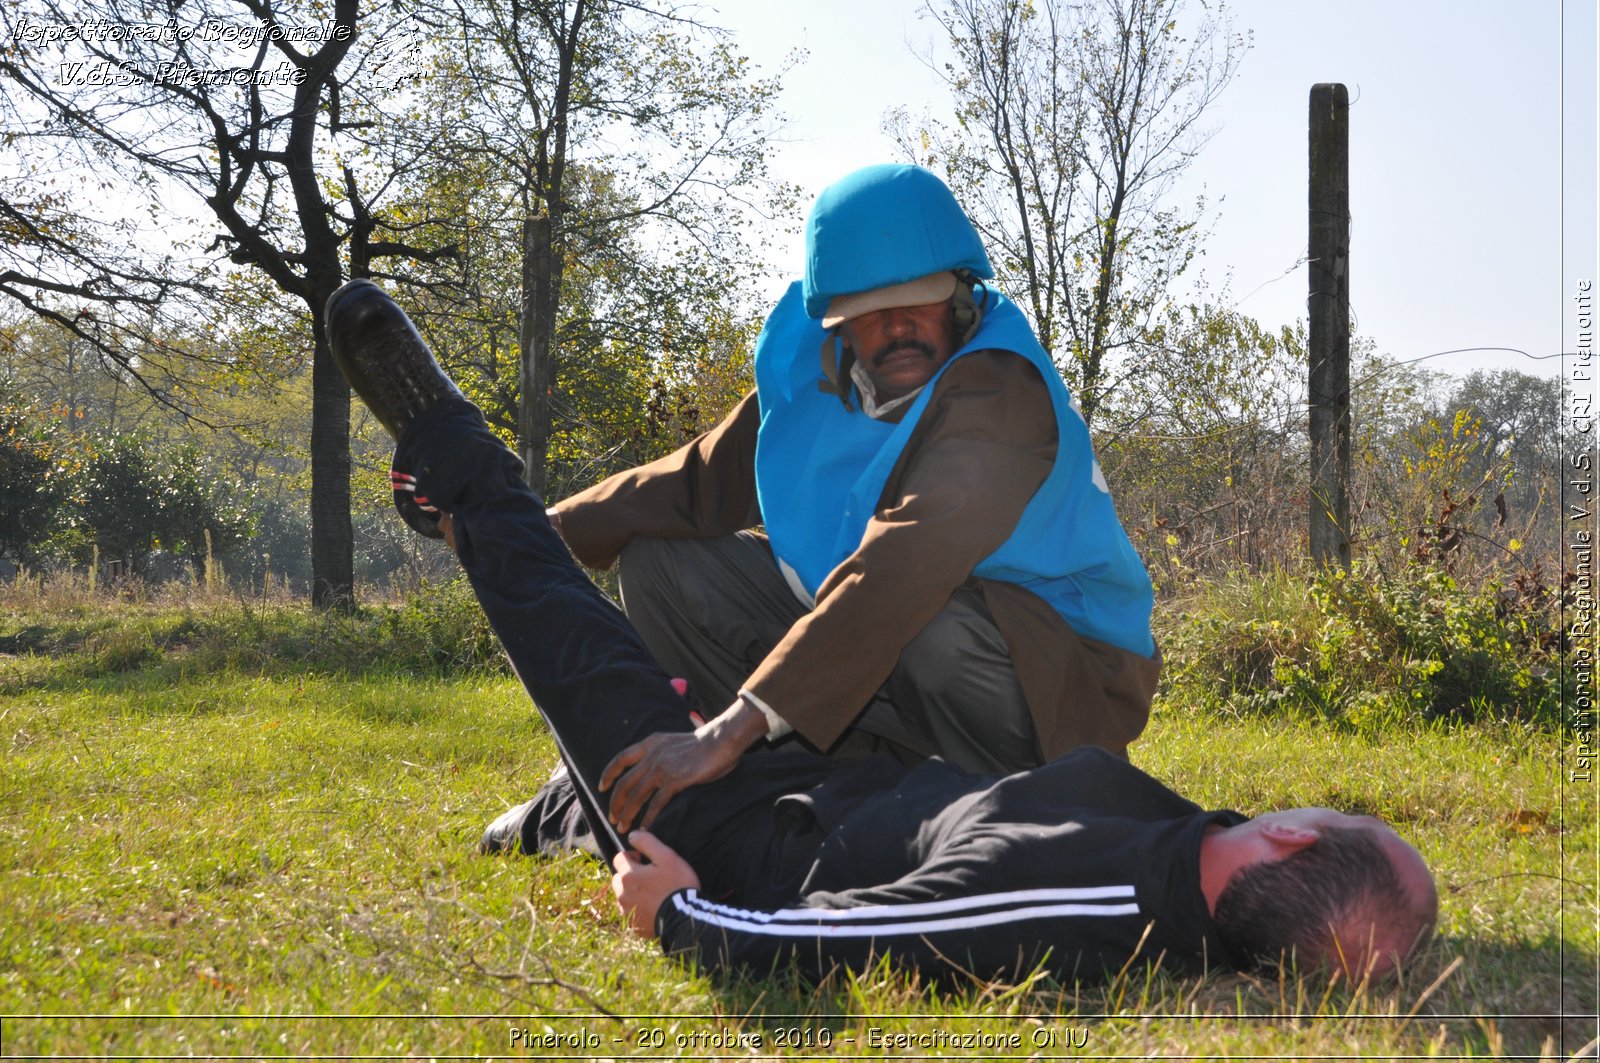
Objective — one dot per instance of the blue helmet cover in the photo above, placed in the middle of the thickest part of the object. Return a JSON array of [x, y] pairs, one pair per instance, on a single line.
[[884, 225]]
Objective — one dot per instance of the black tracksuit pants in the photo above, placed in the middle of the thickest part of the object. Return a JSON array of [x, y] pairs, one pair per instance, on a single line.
[[588, 671]]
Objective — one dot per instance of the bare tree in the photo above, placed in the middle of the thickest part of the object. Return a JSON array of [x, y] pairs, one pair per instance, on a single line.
[[592, 120], [1072, 122], [222, 109], [71, 270]]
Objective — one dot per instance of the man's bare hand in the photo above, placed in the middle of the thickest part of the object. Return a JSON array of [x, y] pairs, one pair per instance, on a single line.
[[642, 888], [646, 775]]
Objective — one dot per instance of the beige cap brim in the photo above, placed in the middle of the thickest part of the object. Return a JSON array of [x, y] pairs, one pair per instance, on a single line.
[[934, 288]]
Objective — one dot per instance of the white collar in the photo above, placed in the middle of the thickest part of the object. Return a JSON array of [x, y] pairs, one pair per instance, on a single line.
[[869, 397]]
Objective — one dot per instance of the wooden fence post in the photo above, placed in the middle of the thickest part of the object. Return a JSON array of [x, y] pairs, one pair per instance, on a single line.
[[1328, 310]]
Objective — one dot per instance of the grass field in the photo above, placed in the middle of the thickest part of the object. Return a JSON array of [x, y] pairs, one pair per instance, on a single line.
[[227, 852]]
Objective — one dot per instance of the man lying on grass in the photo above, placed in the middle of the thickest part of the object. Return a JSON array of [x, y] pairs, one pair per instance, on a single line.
[[1084, 864]]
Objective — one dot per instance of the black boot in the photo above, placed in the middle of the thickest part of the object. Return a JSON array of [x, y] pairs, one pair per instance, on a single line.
[[382, 357], [390, 367]]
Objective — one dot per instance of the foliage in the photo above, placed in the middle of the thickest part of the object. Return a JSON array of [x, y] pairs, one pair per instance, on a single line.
[[442, 626], [201, 514], [1368, 648], [244, 418], [648, 348], [600, 161], [1207, 457], [1072, 121], [1464, 471], [34, 484], [119, 497], [1520, 419], [75, 266], [625, 404], [122, 503], [135, 500]]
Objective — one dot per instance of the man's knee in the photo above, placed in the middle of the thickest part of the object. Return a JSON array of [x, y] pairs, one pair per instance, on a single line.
[[956, 683], [961, 638], [644, 570]]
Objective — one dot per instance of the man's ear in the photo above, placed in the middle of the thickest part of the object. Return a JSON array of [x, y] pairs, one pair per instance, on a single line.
[[1289, 838]]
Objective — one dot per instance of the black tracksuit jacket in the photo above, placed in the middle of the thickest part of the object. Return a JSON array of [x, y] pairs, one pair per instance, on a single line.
[[1084, 865]]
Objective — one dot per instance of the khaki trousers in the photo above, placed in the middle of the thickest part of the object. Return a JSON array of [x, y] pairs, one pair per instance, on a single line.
[[710, 610]]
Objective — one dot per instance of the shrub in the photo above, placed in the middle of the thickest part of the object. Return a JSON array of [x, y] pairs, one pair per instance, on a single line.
[[443, 625], [34, 484], [437, 631], [1367, 647], [123, 649]]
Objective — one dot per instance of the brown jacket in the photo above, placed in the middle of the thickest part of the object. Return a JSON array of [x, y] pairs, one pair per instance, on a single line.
[[986, 441]]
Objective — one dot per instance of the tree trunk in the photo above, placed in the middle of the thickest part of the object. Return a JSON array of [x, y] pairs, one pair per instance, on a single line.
[[332, 541], [535, 334], [1089, 389]]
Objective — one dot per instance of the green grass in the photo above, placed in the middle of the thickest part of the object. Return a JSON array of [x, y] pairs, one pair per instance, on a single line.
[[253, 853]]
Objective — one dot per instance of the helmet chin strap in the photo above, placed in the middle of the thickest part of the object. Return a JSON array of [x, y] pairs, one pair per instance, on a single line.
[[837, 360]]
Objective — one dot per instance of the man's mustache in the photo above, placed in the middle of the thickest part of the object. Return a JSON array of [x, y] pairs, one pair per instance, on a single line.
[[904, 344]]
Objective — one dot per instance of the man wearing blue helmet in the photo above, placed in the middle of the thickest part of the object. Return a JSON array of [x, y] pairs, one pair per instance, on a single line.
[[941, 570]]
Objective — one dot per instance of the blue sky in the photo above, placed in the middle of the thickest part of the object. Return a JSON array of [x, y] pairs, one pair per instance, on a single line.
[[1457, 152]]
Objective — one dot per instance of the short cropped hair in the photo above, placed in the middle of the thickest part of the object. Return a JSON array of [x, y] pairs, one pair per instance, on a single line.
[[1299, 906]]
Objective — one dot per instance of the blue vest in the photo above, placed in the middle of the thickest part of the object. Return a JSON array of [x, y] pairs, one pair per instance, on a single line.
[[820, 470]]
